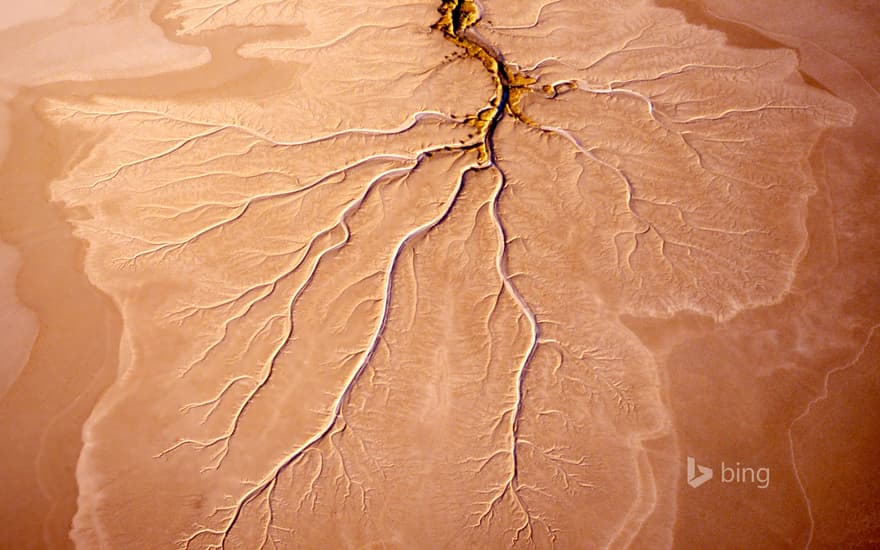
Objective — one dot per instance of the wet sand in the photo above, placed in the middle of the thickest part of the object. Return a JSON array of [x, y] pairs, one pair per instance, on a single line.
[[18, 325], [288, 291], [815, 338], [73, 358]]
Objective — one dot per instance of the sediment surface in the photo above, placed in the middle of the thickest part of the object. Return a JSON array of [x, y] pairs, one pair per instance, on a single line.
[[438, 274]]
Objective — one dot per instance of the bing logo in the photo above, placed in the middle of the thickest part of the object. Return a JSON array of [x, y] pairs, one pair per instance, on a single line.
[[739, 473]]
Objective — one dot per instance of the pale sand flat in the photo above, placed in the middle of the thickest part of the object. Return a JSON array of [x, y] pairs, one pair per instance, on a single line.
[[18, 13]]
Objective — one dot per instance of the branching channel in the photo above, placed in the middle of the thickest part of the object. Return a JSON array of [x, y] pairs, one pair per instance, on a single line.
[[457, 19]]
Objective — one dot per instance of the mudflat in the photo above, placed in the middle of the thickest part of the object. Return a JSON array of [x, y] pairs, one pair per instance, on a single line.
[[439, 274]]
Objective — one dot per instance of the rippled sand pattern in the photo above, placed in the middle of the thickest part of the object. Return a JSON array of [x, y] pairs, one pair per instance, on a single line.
[[415, 273]]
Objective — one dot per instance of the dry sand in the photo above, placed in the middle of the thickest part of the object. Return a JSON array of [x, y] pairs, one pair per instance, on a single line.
[[293, 290]]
